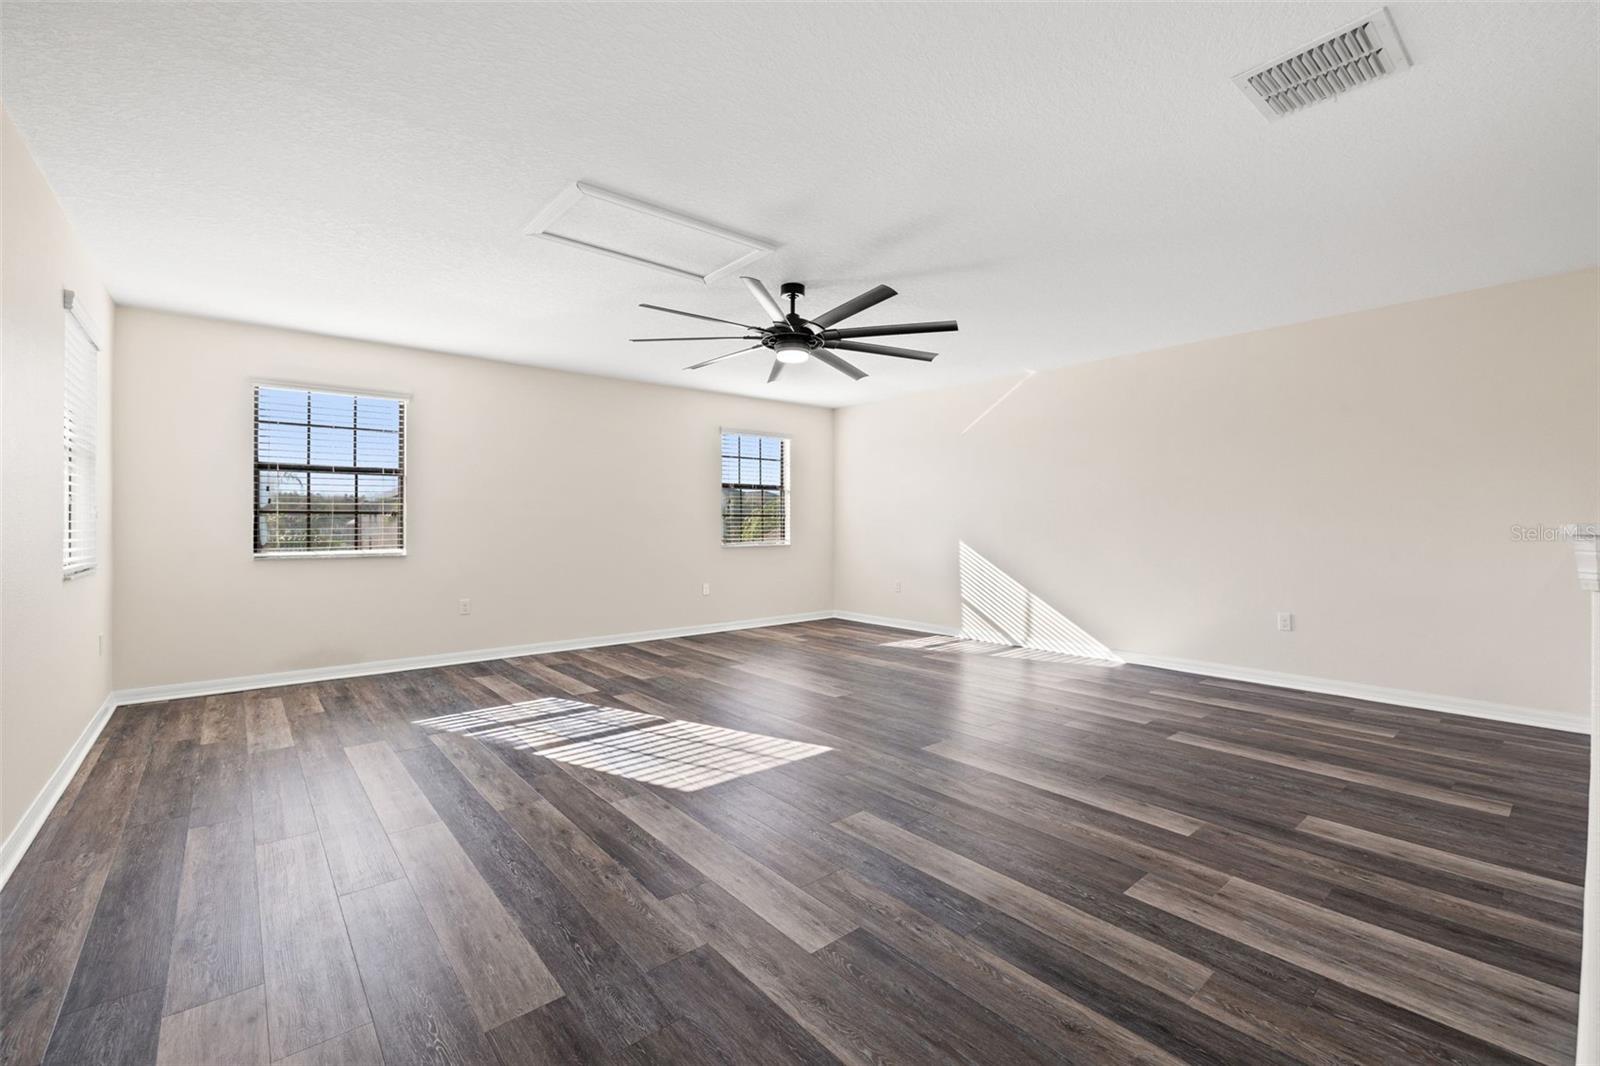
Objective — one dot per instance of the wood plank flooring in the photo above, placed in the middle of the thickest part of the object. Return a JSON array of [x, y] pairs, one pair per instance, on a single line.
[[808, 844]]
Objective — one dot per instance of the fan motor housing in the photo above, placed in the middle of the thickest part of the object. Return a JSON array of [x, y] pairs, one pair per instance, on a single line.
[[793, 338], [774, 337]]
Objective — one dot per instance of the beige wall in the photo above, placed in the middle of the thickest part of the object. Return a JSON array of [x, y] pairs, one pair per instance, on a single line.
[[563, 506], [54, 672], [1363, 471]]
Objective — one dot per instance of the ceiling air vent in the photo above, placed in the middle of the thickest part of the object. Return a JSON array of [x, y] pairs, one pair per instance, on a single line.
[[1365, 50]]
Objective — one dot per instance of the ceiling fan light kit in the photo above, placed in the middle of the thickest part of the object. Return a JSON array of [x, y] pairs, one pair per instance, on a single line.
[[792, 351], [792, 338]]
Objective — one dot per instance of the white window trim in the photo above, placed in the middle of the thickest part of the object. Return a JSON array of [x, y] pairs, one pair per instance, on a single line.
[[379, 553], [405, 448], [74, 307], [788, 485]]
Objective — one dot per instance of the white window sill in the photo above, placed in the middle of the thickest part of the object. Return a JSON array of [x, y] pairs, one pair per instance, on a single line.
[[77, 572], [385, 554], [760, 544]]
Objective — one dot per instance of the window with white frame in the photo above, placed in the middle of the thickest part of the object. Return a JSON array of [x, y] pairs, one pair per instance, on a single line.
[[329, 473], [755, 489], [80, 439]]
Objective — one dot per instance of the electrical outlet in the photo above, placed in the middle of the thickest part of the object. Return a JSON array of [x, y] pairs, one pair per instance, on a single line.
[[1285, 622], [705, 590], [897, 586], [464, 606]]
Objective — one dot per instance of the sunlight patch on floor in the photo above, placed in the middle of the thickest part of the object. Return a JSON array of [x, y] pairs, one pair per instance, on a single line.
[[920, 642], [484, 717], [1039, 655], [683, 755], [686, 756], [562, 728]]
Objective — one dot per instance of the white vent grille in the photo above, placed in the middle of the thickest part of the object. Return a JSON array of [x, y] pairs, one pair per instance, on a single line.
[[1364, 51]]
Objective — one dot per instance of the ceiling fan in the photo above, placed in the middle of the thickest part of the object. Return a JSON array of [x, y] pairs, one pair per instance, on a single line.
[[794, 339]]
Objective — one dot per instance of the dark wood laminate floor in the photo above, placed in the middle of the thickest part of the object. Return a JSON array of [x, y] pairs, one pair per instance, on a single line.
[[809, 844]]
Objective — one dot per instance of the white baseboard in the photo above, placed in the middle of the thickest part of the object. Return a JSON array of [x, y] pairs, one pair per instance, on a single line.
[[1427, 701], [183, 690], [1400, 697], [16, 844], [32, 820], [896, 623]]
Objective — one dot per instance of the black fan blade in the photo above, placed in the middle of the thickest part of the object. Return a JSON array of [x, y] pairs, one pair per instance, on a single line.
[[881, 349], [948, 326], [720, 358], [853, 307], [704, 318], [646, 340], [773, 309], [777, 368], [838, 364]]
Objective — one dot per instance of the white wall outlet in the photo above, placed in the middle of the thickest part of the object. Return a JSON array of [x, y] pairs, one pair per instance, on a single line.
[[464, 606], [1285, 622], [897, 586], [705, 590]]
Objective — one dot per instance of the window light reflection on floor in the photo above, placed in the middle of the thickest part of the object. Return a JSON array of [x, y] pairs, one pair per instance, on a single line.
[[566, 727], [924, 643], [1040, 655], [682, 755], [485, 717]]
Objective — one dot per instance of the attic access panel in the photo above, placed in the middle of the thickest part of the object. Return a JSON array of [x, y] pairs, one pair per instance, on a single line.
[[597, 220]]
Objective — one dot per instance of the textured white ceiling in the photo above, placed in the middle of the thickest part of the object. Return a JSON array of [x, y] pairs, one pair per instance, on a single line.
[[1070, 181]]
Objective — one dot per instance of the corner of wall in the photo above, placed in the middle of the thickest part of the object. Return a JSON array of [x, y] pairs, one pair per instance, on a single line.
[[57, 633]]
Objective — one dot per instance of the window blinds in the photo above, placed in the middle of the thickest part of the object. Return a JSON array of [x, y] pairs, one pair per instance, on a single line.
[[755, 489], [79, 440], [329, 472]]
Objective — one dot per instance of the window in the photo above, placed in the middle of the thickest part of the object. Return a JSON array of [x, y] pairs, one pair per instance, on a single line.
[[329, 473], [79, 439], [755, 489]]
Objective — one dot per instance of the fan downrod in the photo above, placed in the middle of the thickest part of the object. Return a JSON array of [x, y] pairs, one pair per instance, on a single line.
[[793, 290]]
